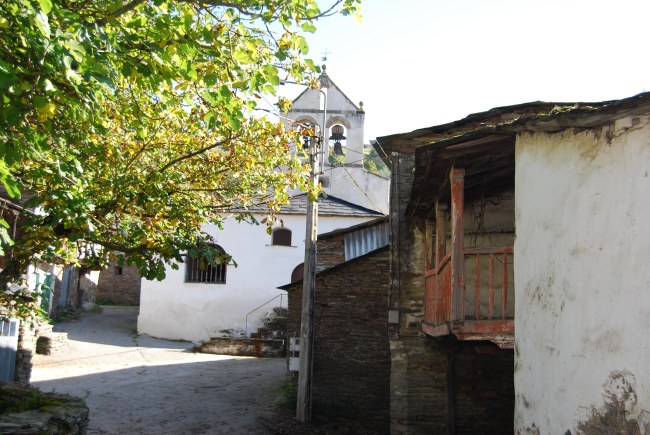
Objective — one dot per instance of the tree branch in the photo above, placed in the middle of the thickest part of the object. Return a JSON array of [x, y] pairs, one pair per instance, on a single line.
[[189, 156]]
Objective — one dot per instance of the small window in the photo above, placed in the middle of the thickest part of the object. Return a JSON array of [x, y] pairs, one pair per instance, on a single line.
[[203, 270], [298, 272], [324, 181], [281, 237]]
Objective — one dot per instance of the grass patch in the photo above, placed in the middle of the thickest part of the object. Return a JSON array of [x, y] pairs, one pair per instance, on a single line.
[[288, 395], [15, 401], [65, 314]]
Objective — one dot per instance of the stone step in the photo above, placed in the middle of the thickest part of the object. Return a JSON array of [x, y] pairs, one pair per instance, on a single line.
[[243, 347], [51, 342]]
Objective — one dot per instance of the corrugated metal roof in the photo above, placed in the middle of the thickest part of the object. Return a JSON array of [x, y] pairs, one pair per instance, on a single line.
[[364, 240]]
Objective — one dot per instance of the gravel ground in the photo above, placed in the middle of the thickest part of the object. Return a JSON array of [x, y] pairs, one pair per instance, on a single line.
[[137, 384], [141, 385]]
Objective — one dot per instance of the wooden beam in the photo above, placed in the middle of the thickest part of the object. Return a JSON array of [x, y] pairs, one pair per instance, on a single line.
[[441, 232], [435, 331], [457, 184]]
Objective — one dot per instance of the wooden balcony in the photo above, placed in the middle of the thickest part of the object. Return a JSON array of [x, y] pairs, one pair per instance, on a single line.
[[483, 311], [469, 291]]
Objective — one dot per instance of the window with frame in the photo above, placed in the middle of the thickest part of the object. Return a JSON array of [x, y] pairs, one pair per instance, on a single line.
[[205, 270], [281, 237]]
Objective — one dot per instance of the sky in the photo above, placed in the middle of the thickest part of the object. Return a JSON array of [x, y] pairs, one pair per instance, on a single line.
[[419, 63]]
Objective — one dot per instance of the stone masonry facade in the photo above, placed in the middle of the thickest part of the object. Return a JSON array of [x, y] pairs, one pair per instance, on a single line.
[[351, 351], [331, 251], [119, 285]]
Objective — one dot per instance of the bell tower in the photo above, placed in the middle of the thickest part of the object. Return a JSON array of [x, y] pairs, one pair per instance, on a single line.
[[343, 174], [343, 122]]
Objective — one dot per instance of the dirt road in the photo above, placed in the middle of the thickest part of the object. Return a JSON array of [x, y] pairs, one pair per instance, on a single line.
[[141, 385]]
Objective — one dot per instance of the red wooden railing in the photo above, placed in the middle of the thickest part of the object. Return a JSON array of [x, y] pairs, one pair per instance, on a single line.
[[489, 318], [491, 253], [438, 300]]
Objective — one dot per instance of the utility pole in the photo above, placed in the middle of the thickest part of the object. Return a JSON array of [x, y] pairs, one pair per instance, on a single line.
[[305, 366]]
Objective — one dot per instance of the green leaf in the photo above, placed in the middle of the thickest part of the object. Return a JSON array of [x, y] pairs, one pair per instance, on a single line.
[[308, 27], [233, 121], [46, 5], [48, 86], [11, 184], [42, 24]]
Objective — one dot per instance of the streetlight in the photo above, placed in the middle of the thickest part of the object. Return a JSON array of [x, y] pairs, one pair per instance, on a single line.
[[306, 361]]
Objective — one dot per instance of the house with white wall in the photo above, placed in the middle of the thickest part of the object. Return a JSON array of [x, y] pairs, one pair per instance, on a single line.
[[191, 304], [519, 237], [194, 303]]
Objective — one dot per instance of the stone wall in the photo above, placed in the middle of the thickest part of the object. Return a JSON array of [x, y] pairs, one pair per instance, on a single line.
[[27, 337], [483, 388], [26, 410], [351, 352], [418, 366], [331, 251], [119, 285]]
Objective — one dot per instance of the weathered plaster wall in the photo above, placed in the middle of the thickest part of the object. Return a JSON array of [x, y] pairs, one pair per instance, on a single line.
[[175, 309], [582, 280]]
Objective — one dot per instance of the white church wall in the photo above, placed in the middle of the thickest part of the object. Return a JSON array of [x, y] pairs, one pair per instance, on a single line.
[[174, 309]]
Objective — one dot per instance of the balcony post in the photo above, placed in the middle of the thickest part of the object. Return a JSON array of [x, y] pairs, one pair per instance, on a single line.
[[457, 183], [441, 233]]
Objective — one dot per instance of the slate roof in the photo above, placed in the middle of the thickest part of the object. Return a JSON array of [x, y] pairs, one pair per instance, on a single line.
[[328, 205], [484, 144], [298, 283]]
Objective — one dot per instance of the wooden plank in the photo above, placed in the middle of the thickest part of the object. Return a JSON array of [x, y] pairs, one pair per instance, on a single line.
[[441, 232], [486, 327], [435, 331], [441, 265], [477, 288], [499, 332], [489, 250], [491, 287], [443, 301], [429, 294], [457, 182], [504, 287]]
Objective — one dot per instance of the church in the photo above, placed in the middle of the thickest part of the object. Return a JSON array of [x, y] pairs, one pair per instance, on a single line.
[[228, 301]]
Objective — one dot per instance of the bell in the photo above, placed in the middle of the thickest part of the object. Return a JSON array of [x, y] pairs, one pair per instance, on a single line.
[[338, 149], [307, 134], [306, 142], [337, 134]]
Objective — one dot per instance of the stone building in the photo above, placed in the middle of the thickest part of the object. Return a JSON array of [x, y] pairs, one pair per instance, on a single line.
[[569, 180], [226, 304], [343, 174], [351, 368], [119, 285]]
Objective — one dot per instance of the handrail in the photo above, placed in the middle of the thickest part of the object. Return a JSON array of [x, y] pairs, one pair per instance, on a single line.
[[488, 250], [436, 270], [255, 309]]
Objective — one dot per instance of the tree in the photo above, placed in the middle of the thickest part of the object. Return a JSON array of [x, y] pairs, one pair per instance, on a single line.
[[374, 164], [130, 124]]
